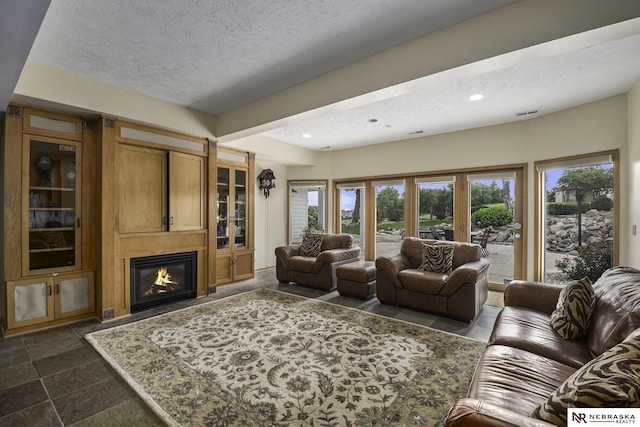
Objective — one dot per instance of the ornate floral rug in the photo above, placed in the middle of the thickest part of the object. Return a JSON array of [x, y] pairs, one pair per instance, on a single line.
[[267, 358]]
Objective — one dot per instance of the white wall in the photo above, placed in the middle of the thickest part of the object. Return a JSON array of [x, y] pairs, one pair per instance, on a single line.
[[592, 127], [270, 216]]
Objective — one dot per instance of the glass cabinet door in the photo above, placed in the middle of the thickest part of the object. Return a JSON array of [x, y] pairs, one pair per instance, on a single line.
[[240, 220], [222, 208], [53, 202]]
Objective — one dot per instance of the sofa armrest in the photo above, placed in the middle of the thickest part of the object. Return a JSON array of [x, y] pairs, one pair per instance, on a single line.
[[476, 413], [536, 296], [466, 273]]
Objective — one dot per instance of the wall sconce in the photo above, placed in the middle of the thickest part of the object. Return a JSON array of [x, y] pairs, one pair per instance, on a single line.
[[266, 181]]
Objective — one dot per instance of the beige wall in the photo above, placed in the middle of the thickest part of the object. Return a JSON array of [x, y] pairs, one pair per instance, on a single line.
[[632, 211], [593, 127]]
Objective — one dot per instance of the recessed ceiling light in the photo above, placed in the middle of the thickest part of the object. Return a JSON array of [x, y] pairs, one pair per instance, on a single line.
[[373, 120], [476, 97], [306, 135]]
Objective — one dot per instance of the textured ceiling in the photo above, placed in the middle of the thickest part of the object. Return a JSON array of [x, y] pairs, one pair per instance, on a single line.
[[215, 56]]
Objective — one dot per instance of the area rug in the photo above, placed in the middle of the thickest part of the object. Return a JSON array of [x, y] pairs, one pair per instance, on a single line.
[[267, 358]]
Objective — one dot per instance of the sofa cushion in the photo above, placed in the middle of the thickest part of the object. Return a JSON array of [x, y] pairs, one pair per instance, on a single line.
[[425, 282], [576, 302], [516, 379], [311, 245], [611, 380], [336, 241], [302, 263], [437, 258], [617, 311], [531, 330]]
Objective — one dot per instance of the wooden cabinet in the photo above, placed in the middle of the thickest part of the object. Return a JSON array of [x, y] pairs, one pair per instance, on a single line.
[[160, 190], [234, 216], [39, 300], [49, 238]]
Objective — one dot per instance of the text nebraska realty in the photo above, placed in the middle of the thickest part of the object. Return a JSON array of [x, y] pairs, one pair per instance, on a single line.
[[613, 418]]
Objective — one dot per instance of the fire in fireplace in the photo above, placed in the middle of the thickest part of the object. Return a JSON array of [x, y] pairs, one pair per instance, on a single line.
[[160, 279]]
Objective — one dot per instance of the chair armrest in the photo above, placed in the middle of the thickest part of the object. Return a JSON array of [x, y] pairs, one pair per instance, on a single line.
[[335, 255], [466, 273], [286, 252], [393, 264], [476, 413], [536, 296]]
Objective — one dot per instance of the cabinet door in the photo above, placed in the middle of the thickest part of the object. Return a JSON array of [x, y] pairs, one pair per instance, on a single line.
[[51, 203], [240, 209], [142, 188], [29, 302], [243, 265], [224, 268], [75, 294], [223, 194], [187, 192]]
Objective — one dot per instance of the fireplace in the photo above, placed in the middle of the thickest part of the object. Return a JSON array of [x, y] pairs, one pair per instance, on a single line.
[[160, 279]]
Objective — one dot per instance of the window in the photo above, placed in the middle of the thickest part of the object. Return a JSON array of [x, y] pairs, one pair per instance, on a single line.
[[351, 202], [389, 216], [307, 208], [576, 202]]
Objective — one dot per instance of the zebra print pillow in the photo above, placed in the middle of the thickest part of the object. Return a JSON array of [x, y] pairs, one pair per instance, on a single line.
[[611, 380], [437, 258], [311, 245], [576, 302]]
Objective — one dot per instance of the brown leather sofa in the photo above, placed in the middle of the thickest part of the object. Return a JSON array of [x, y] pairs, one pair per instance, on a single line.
[[317, 272], [459, 294], [526, 360]]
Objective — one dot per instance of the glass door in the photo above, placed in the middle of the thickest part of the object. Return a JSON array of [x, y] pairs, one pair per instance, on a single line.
[[390, 225], [307, 209], [222, 208], [240, 212], [495, 222], [53, 200]]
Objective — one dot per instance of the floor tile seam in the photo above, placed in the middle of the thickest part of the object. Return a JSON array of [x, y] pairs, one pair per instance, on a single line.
[[55, 410], [71, 367]]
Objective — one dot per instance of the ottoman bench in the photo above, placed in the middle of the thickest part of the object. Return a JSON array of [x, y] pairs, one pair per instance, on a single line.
[[357, 279]]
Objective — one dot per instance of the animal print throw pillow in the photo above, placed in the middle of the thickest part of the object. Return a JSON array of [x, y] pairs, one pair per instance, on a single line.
[[576, 302], [611, 380], [311, 245], [437, 258]]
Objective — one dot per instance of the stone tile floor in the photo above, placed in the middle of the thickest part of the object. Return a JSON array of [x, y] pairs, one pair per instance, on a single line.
[[53, 377]]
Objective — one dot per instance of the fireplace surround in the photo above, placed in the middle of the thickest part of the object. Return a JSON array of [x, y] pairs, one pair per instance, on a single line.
[[160, 279]]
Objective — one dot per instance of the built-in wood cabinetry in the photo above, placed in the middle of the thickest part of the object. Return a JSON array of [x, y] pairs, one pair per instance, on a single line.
[[82, 198], [234, 172], [48, 235]]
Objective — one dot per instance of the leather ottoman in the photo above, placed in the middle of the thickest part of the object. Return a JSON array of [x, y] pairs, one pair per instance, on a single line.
[[357, 279]]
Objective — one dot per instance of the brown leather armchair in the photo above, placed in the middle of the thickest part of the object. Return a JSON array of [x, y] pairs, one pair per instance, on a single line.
[[320, 271], [459, 294]]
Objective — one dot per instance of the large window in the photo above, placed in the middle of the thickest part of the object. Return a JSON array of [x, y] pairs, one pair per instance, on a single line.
[[307, 208], [577, 220], [482, 206]]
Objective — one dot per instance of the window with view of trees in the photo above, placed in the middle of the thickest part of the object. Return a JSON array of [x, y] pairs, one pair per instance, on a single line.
[[579, 218]]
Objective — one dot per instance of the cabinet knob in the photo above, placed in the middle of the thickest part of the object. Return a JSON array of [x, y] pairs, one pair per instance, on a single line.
[[171, 220]]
